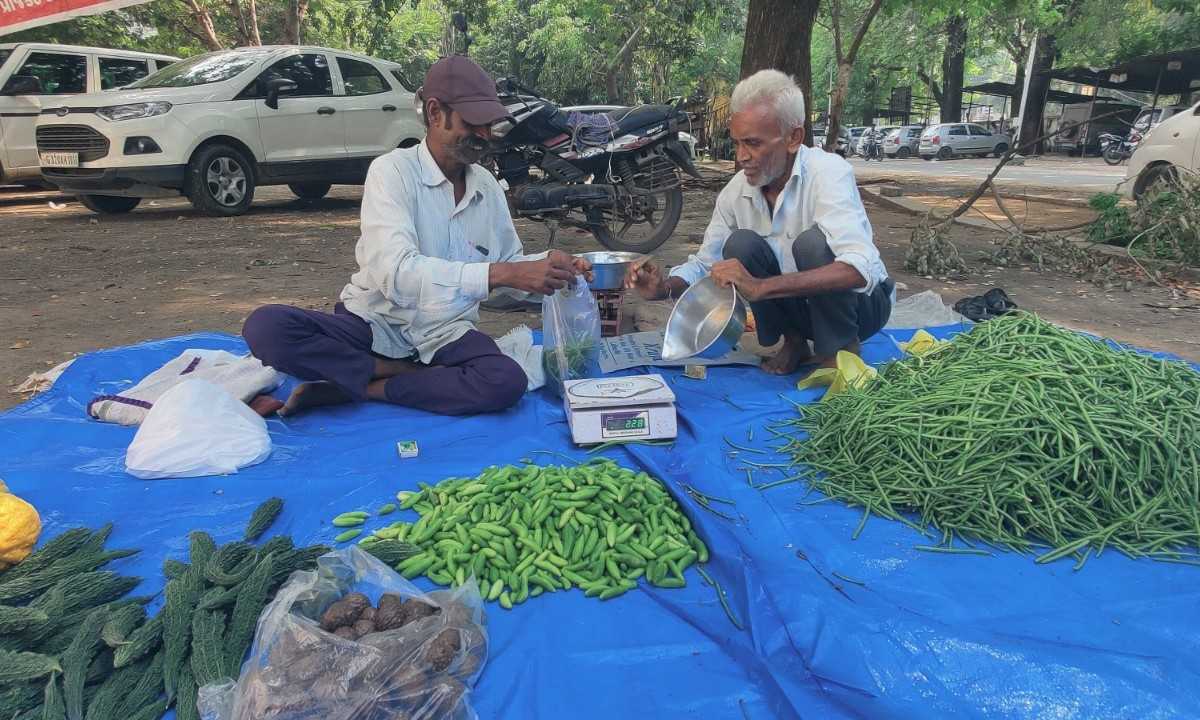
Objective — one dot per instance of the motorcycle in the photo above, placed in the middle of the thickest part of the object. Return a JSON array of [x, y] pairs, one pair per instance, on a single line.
[[615, 174], [1117, 149], [873, 147]]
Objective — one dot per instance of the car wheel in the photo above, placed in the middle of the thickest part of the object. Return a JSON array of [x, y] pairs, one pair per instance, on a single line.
[[220, 181], [945, 153], [1155, 178], [109, 204], [999, 150], [904, 153], [310, 190]]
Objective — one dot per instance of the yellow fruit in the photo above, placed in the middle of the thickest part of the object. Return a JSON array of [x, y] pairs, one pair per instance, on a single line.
[[20, 526]]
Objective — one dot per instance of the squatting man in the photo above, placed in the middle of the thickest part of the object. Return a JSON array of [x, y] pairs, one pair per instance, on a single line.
[[790, 233]]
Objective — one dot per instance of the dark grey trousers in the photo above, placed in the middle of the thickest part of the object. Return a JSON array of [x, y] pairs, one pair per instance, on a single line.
[[833, 320]]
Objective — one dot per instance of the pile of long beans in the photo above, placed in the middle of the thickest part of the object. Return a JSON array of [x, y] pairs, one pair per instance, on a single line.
[[1021, 435]]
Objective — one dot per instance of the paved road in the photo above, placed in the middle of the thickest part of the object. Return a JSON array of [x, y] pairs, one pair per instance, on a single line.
[[1072, 175]]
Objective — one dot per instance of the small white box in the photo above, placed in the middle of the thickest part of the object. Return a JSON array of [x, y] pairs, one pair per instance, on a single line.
[[407, 448], [638, 407]]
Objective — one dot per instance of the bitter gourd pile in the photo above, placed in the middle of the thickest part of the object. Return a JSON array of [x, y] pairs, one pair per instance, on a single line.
[[73, 646]]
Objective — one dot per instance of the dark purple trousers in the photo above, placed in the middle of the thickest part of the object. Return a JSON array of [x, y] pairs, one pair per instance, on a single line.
[[467, 376]]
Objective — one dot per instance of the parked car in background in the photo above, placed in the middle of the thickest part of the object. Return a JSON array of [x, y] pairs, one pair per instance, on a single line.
[[948, 140], [853, 135], [843, 140], [903, 142], [1149, 118], [1171, 146], [34, 75], [881, 132], [216, 126]]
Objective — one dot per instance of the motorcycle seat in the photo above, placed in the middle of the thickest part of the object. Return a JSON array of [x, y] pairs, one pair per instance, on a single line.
[[631, 119]]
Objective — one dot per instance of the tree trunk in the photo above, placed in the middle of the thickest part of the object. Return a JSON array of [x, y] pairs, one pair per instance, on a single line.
[[1014, 108], [841, 87], [205, 31], [294, 20], [1035, 104], [621, 61], [932, 84], [252, 21], [953, 59], [845, 60], [779, 35]]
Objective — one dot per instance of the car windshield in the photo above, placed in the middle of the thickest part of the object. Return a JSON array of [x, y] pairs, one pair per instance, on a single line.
[[4, 56], [201, 70]]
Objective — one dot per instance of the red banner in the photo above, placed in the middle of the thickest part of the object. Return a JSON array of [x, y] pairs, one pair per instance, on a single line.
[[23, 14]]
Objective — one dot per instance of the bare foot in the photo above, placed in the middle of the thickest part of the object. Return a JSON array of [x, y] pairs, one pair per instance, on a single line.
[[854, 348], [313, 394], [792, 355], [265, 405]]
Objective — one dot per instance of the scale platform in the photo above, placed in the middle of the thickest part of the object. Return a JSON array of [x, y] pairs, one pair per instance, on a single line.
[[638, 407]]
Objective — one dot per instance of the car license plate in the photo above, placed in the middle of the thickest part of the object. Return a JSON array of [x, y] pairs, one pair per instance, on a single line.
[[59, 159]]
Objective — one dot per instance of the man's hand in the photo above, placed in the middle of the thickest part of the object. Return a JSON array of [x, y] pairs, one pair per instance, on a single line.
[[647, 278], [582, 267], [540, 276], [536, 276], [732, 272]]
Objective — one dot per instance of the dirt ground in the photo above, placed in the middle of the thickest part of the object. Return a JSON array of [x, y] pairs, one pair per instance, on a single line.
[[72, 282]]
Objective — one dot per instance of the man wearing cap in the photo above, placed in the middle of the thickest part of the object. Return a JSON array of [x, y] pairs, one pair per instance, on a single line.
[[436, 239]]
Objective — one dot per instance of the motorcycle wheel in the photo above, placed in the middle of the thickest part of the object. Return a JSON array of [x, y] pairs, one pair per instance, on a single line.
[[624, 239], [1113, 155]]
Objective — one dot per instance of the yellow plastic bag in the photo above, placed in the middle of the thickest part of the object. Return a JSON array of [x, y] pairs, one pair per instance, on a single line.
[[851, 372], [921, 343]]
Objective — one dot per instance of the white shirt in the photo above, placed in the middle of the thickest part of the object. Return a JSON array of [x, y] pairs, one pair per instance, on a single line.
[[821, 191], [422, 260]]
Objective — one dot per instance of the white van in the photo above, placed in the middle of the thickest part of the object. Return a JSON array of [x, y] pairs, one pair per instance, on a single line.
[[1172, 144], [35, 74]]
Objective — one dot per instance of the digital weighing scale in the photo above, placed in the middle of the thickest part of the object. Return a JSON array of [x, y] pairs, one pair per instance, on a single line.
[[639, 407]]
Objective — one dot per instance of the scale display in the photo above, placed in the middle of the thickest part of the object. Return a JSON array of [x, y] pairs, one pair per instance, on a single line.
[[625, 424]]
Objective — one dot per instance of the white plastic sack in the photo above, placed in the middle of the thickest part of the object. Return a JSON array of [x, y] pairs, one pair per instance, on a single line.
[[518, 345], [242, 376], [196, 428]]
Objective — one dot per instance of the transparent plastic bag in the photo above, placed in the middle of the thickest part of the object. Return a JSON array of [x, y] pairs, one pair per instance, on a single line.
[[571, 335], [421, 670]]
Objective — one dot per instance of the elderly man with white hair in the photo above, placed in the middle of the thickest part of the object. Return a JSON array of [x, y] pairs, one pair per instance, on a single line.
[[790, 232]]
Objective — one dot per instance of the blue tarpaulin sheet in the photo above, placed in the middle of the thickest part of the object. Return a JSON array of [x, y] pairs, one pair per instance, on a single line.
[[897, 633]]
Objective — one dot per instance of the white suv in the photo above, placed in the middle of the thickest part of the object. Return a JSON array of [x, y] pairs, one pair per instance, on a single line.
[[216, 126], [33, 75]]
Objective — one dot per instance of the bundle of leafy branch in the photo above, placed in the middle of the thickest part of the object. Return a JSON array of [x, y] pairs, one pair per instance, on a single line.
[[1060, 253], [1164, 224], [931, 252], [73, 646]]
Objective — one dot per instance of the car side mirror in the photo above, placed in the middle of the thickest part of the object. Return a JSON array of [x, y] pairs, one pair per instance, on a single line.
[[277, 87], [23, 85]]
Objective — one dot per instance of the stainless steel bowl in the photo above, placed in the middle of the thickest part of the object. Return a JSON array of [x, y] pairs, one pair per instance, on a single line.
[[609, 268], [708, 320]]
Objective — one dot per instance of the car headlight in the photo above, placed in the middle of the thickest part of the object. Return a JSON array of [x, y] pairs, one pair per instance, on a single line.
[[134, 111]]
